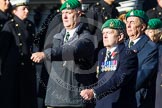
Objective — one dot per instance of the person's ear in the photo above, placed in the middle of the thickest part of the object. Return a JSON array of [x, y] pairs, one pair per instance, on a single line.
[[144, 26], [121, 37]]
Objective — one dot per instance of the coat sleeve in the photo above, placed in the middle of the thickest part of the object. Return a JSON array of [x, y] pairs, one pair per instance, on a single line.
[[126, 70], [5, 40], [148, 68], [81, 48]]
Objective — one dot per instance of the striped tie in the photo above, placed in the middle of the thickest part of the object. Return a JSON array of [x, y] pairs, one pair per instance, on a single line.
[[67, 36], [131, 43]]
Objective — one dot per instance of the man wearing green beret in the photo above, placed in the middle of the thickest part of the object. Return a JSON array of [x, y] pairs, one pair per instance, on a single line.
[[117, 70], [71, 55], [136, 24]]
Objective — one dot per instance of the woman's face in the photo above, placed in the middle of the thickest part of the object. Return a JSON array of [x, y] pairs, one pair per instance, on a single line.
[[21, 12], [153, 34]]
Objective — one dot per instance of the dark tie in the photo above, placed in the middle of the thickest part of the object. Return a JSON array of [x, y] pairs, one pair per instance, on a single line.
[[131, 43], [67, 36]]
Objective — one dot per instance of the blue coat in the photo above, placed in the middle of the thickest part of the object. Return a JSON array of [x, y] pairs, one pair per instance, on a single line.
[[115, 87], [147, 68], [158, 103]]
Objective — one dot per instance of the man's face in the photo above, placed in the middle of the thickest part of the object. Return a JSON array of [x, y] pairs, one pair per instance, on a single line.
[[110, 37], [70, 18], [4, 4], [134, 27]]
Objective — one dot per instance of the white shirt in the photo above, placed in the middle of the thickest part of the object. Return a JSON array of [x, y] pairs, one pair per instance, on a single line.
[[135, 41], [71, 32]]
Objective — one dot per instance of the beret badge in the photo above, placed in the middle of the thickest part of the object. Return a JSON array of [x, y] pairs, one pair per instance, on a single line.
[[132, 13], [67, 6], [111, 24]]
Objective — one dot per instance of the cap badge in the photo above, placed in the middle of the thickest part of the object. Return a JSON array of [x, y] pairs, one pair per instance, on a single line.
[[111, 24], [132, 13], [67, 6]]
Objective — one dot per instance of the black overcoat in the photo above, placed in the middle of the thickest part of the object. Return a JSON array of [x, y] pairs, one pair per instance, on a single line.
[[18, 81]]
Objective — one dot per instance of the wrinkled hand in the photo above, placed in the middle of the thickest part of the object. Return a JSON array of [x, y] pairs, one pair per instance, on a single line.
[[87, 94], [37, 57]]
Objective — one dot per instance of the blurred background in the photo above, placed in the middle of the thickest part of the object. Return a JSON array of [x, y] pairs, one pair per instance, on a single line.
[[40, 9]]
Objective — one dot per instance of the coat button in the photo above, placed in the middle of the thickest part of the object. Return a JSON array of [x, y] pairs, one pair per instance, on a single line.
[[20, 44], [19, 34], [22, 63], [32, 64], [97, 3], [22, 54], [17, 25], [29, 25]]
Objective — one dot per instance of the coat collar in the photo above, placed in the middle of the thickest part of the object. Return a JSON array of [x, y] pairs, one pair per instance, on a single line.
[[20, 23], [63, 31], [140, 44]]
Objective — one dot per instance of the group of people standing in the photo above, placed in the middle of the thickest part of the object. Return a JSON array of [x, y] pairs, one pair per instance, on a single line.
[[94, 60]]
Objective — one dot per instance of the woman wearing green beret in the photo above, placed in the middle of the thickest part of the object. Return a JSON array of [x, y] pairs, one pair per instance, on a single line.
[[154, 31]]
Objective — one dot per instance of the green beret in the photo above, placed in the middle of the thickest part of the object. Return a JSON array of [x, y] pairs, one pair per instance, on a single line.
[[70, 4], [154, 23], [114, 24], [138, 13]]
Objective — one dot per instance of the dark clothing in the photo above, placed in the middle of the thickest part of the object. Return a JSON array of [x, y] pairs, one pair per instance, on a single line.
[[97, 15], [147, 69], [155, 12], [18, 81], [72, 68], [4, 17], [148, 4], [52, 25], [158, 103], [49, 23], [116, 85]]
